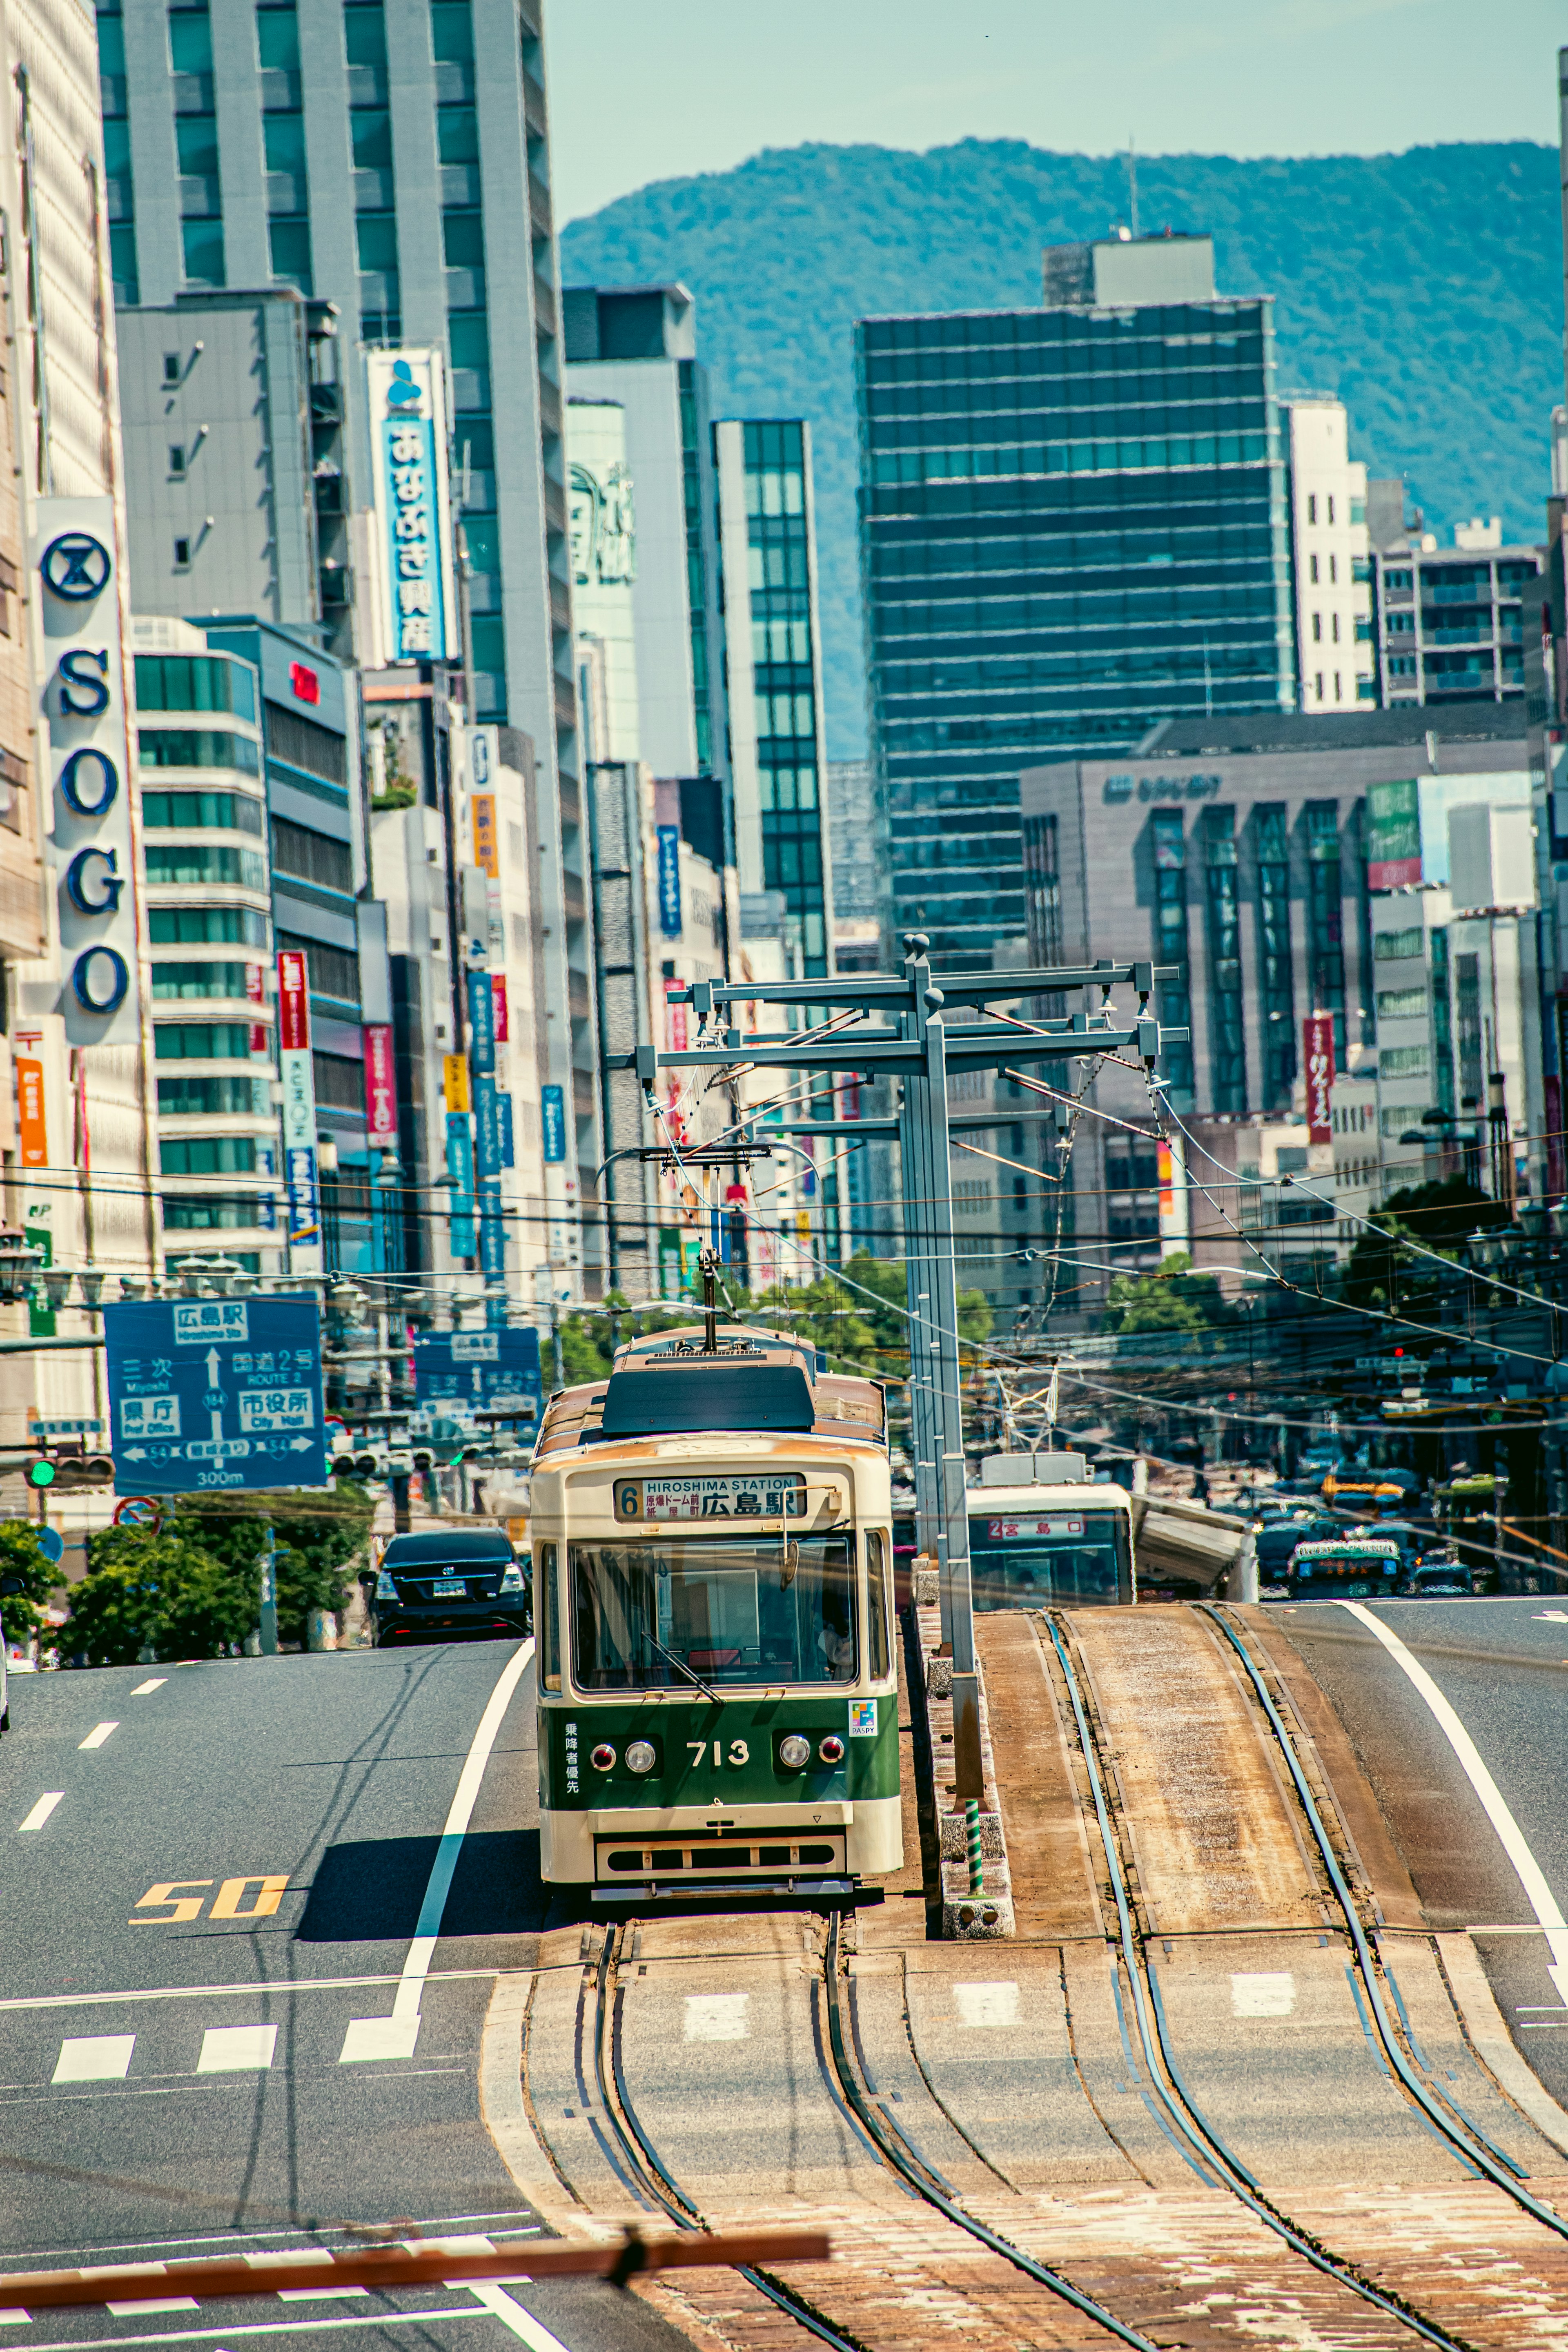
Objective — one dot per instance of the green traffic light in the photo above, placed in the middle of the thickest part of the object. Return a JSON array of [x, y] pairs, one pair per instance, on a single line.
[[40, 1474]]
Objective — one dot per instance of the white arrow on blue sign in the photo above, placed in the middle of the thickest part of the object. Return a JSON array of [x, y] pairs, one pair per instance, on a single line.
[[217, 1393]]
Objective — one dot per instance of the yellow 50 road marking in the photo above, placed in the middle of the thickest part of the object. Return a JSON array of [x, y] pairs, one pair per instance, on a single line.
[[176, 1904]]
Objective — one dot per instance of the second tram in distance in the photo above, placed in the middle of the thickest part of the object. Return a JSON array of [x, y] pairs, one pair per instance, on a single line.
[[711, 1534]]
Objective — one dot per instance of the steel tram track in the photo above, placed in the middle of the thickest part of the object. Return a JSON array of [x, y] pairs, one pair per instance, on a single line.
[[1198, 2135], [655, 2178]]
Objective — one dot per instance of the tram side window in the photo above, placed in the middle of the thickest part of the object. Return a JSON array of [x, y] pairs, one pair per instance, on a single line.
[[877, 1604], [665, 1612], [546, 1616]]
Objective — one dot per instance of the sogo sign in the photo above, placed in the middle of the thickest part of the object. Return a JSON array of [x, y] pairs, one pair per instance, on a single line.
[[83, 722]]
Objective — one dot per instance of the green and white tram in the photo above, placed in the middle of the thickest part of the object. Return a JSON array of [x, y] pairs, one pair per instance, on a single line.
[[712, 1562]]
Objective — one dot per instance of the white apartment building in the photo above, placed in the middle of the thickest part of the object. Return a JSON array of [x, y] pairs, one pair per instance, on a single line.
[[1330, 561]]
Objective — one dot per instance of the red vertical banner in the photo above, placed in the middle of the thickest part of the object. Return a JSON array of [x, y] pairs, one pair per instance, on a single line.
[[1317, 1061], [293, 1001], [497, 998], [380, 1087], [256, 994]]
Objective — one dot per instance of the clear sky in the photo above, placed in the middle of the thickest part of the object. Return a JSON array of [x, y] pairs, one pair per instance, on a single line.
[[655, 89]]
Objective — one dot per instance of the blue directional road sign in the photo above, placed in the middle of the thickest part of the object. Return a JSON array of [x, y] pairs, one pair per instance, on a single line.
[[215, 1392], [490, 1371]]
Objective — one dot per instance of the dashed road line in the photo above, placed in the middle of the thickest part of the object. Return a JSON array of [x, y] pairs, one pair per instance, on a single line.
[[156, 1683], [97, 1735], [227, 1991], [94, 2058], [236, 2049], [41, 1810]]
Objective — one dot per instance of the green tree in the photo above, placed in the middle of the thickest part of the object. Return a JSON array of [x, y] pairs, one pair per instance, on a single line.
[[825, 1315], [158, 1592], [22, 1613], [1384, 1270], [321, 1539], [1172, 1298]]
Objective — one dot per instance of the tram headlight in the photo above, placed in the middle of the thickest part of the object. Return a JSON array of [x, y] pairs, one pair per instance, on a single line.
[[831, 1749], [602, 1758], [795, 1751], [641, 1756]]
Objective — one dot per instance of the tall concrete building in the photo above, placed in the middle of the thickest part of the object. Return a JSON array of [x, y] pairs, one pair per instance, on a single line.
[[1330, 561], [1451, 622], [390, 159], [773, 674], [1073, 525], [638, 346]]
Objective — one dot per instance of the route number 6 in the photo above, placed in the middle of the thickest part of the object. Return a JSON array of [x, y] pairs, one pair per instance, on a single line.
[[739, 1751]]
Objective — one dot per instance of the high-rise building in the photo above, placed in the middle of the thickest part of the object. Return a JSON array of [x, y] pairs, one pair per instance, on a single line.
[[773, 669], [234, 474], [1073, 525], [1450, 622], [638, 346], [1330, 557], [390, 159]]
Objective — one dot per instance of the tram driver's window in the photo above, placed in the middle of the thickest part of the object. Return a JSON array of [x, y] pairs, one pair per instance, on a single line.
[[876, 1603]]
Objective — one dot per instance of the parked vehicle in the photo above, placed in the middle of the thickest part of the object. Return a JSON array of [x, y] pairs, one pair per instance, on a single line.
[[456, 1585]]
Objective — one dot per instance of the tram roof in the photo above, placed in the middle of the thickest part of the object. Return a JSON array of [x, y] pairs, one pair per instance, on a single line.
[[738, 1344]]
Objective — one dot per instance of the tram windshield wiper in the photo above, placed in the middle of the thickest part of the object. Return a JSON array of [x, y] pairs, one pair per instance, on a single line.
[[682, 1668]]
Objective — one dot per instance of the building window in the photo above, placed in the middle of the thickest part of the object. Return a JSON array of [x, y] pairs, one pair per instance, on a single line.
[[1468, 1025], [334, 972], [1337, 695], [1312, 569], [203, 861], [1325, 920], [1227, 1046], [192, 979], [197, 746], [1336, 628], [208, 1155], [1330, 513], [177, 460], [206, 812], [209, 1097], [1320, 684], [1442, 1021], [1276, 990], [207, 926], [1317, 628], [1334, 570], [201, 1041], [1312, 517], [1170, 848]]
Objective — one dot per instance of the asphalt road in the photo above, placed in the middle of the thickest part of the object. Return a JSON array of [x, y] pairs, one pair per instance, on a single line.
[[1502, 1666], [207, 1945]]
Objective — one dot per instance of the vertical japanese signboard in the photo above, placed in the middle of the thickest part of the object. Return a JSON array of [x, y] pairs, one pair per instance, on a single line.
[[380, 1087], [1393, 836], [1317, 1061], [82, 722], [256, 994], [408, 425], [299, 1078], [32, 1132], [670, 917]]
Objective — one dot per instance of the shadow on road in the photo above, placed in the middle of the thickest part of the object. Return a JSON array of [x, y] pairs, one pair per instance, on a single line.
[[370, 1892]]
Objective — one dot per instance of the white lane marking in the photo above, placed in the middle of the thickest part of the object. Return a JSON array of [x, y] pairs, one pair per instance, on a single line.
[[236, 2049], [379, 2037], [163, 2303], [717, 2017], [1549, 1616], [156, 1683], [1264, 1993], [41, 1810], [316, 2294], [1532, 1877], [510, 2313], [257, 2328], [227, 1991], [417, 1966], [15, 2319], [986, 2004], [97, 1735], [94, 2058]]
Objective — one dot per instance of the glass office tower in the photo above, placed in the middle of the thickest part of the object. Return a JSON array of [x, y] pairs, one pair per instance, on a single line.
[[1072, 525]]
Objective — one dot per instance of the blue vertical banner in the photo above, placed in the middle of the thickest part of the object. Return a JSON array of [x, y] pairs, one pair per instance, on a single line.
[[407, 392], [670, 921], [460, 1167], [552, 1122], [481, 1022], [487, 1143], [508, 1143]]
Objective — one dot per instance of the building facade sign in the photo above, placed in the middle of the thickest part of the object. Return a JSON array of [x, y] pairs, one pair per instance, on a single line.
[[413, 506], [670, 920], [82, 719], [1394, 830], [298, 1079], [1317, 1061], [380, 1087]]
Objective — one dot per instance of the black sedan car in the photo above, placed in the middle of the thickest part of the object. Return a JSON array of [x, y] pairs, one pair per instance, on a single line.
[[438, 1587]]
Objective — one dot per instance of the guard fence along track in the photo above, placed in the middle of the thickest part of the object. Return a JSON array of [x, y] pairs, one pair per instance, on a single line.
[[646, 2165], [1461, 2137], [655, 2179], [1197, 2135]]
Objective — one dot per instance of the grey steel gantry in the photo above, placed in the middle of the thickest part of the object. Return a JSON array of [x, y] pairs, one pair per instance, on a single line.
[[916, 1040]]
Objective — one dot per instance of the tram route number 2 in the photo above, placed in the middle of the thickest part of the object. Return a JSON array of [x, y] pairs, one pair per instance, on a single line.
[[174, 1901], [739, 1751]]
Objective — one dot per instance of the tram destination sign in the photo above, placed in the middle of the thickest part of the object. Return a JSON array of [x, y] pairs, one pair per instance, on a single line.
[[1003, 1531], [215, 1392], [729, 1495]]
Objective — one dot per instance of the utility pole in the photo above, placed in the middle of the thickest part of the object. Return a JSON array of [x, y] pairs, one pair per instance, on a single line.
[[268, 1629], [912, 1027]]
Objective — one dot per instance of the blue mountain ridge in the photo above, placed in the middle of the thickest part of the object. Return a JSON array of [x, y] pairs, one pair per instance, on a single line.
[[1425, 289]]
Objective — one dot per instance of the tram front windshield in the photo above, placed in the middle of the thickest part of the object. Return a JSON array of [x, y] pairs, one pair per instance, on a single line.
[[1022, 1558], [672, 1609]]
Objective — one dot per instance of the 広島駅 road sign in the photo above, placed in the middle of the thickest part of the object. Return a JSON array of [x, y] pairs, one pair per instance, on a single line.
[[215, 1392]]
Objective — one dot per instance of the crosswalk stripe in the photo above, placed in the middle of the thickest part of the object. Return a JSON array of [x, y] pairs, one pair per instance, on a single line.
[[41, 1810], [236, 2049], [97, 1735], [94, 2058]]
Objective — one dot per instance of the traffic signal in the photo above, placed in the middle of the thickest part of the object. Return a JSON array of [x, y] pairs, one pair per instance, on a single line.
[[66, 1472]]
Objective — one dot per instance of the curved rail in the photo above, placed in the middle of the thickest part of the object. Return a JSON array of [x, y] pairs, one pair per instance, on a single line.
[[650, 2173], [1186, 2116], [895, 2153], [1467, 2143]]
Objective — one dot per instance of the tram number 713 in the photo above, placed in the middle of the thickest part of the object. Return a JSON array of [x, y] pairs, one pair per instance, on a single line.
[[739, 1751]]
